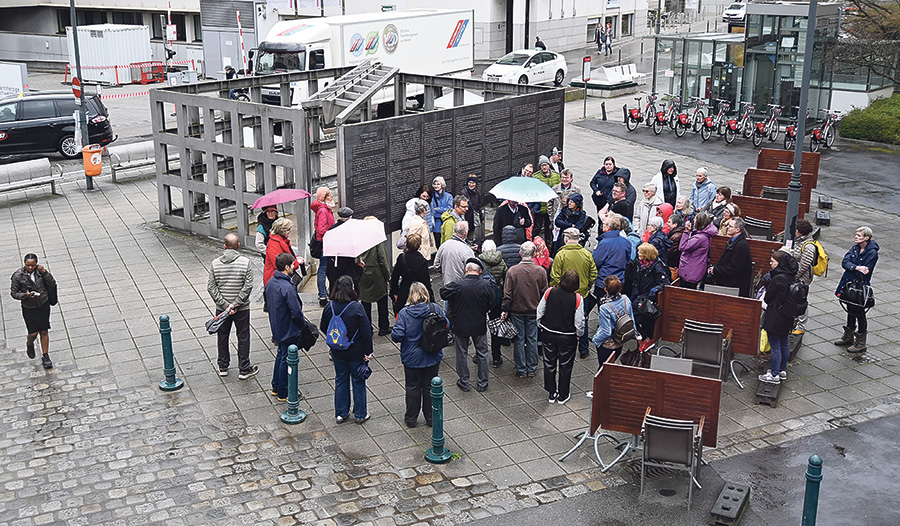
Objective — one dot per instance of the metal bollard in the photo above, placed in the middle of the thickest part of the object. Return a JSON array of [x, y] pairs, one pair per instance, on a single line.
[[165, 331], [811, 497], [437, 454], [620, 56], [642, 50], [625, 113], [293, 415], [603, 109], [707, 26]]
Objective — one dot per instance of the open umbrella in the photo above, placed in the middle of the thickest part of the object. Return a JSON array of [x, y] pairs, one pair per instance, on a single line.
[[280, 196], [353, 237], [524, 190]]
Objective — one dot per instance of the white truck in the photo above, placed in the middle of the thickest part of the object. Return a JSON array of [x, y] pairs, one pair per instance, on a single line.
[[425, 41]]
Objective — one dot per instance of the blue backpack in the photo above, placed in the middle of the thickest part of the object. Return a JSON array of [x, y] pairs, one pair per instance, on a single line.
[[336, 337]]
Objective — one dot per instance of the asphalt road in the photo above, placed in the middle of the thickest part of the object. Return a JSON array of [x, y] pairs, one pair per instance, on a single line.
[[859, 486]]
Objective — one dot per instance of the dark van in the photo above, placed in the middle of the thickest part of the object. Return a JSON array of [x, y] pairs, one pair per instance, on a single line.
[[42, 122]]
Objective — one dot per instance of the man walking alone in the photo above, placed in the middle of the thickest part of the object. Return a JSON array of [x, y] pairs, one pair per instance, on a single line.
[[230, 284]]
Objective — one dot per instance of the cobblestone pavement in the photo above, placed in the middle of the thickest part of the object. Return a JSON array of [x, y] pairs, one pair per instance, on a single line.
[[95, 442]]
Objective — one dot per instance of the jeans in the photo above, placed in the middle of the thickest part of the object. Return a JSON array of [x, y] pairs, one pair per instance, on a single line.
[[383, 322], [241, 322], [603, 353], [344, 376], [280, 373], [781, 351], [525, 345], [559, 351], [462, 359], [608, 45], [320, 277], [854, 315], [418, 391]]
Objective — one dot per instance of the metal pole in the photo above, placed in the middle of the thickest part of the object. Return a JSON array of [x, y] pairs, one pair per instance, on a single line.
[[82, 112], [437, 454], [811, 497], [793, 202], [584, 110], [656, 45], [293, 415], [165, 331], [603, 109]]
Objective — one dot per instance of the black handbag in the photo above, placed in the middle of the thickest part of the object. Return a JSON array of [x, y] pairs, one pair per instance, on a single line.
[[857, 293], [315, 248], [308, 336], [52, 293], [647, 307]]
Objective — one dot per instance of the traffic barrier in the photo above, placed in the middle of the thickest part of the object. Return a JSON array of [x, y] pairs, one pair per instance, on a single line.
[[136, 73]]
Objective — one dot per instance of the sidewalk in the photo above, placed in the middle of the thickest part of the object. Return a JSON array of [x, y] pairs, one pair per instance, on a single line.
[[94, 441]]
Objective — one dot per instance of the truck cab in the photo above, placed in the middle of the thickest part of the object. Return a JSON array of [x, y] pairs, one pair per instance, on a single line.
[[290, 47]]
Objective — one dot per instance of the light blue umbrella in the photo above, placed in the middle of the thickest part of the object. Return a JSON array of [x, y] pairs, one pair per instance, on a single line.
[[524, 190]]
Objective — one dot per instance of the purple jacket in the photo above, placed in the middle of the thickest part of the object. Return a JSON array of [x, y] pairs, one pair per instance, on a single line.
[[695, 254]]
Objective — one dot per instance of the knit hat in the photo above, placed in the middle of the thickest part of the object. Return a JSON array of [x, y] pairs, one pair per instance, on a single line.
[[345, 212], [556, 151], [543, 160], [578, 198], [472, 177]]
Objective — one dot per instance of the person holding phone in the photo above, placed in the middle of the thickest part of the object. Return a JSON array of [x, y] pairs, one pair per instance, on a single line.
[[30, 285]]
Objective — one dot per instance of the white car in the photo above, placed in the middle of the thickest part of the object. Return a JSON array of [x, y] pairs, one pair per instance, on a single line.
[[528, 66], [735, 13]]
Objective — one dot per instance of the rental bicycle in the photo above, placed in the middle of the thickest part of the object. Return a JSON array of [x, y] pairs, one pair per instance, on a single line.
[[824, 133], [673, 109], [790, 131], [697, 116], [769, 127], [635, 116], [716, 123]]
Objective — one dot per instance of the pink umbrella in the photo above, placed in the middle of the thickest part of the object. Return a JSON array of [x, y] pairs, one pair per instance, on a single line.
[[280, 196], [353, 237]]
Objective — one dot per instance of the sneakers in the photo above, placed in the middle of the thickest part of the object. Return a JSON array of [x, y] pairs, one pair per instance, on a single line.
[[564, 400], [465, 388], [45, 361], [29, 348], [645, 345], [245, 374], [223, 371], [340, 419], [411, 423], [552, 398], [769, 379], [363, 419], [323, 301], [782, 374], [497, 363], [480, 389], [384, 332]]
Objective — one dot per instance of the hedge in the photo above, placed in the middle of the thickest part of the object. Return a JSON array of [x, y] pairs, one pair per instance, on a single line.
[[880, 122]]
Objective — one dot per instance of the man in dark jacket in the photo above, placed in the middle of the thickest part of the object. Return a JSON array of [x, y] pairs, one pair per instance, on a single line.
[[735, 268], [286, 319], [469, 299], [510, 247], [511, 214]]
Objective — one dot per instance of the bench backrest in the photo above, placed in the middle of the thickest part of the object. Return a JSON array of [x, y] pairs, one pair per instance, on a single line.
[[741, 315], [755, 179], [24, 170], [623, 393], [760, 251], [770, 159], [772, 210]]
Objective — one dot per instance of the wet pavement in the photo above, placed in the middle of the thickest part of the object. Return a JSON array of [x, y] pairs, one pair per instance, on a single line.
[[95, 441]]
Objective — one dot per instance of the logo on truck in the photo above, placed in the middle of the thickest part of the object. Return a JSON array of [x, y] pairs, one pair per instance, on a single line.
[[372, 43], [293, 30], [391, 38], [456, 37], [356, 45]]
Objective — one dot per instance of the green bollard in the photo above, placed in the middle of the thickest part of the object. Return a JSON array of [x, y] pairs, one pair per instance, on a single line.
[[811, 497], [293, 415], [437, 454], [170, 383]]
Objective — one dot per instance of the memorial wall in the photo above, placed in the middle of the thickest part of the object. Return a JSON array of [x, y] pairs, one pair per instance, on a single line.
[[384, 161]]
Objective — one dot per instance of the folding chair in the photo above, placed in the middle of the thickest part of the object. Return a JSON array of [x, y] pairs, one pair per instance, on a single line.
[[672, 444], [704, 344], [719, 289], [669, 364], [770, 192], [758, 228]]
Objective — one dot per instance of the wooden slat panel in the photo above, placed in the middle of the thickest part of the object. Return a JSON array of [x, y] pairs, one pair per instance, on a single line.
[[626, 392], [742, 315], [755, 179], [768, 159], [767, 209], [760, 252]]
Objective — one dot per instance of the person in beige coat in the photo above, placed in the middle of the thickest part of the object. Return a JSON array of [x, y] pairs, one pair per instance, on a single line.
[[418, 225]]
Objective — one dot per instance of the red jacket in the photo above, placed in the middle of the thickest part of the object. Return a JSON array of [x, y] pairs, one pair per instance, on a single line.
[[277, 245], [324, 218]]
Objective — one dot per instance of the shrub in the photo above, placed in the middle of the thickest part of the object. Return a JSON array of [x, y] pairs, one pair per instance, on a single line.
[[880, 122]]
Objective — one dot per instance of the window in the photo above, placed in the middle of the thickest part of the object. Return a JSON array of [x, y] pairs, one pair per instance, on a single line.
[[83, 17], [38, 109], [127, 18], [627, 24], [8, 112], [66, 106], [159, 26], [198, 28], [592, 28], [317, 59]]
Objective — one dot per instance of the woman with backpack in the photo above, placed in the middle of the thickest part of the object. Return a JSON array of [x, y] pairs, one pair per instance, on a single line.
[[419, 365], [348, 334], [778, 319], [612, 308], [560, 315]]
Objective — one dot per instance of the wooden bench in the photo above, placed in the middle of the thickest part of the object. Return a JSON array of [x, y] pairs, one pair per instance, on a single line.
[[772, 210], [782, 160], [740, 315], [27, 174], [760, 252], [755, 179]]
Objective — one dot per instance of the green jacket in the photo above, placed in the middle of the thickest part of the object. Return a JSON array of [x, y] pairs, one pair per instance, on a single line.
[[495, 264], [550, 181], [575, 257], [373, 285], [449, 219]]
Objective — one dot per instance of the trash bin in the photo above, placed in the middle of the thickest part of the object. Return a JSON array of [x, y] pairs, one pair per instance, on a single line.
[[93, 159]]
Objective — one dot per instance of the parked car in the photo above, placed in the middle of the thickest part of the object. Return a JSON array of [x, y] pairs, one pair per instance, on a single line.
[[42, 122], [735, 14], [528, 66]]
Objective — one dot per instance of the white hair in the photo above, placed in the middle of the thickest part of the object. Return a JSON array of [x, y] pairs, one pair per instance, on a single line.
[[488, 245], [527, 250]]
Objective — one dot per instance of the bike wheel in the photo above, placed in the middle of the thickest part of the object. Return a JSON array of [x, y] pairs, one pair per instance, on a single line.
[[651, 115], [698, 121], [679, 129], [813, 144], [788, 142], [757, 138], [657, 126], [747, 132], [729, 135], [722, 127], [705, 133], [673, 120], [631, 123], [773, 133], [243, 97], [829, 137]]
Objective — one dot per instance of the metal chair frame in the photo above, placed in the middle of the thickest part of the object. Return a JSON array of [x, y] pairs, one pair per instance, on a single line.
[[679, 447]]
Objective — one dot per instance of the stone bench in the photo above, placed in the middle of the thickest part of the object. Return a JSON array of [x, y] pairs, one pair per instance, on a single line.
[[26, 174]]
